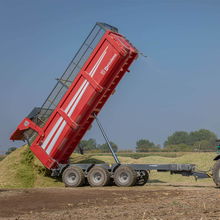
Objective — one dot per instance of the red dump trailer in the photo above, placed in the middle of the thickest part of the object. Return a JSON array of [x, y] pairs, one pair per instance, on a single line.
[[83, 89], [54, 130]]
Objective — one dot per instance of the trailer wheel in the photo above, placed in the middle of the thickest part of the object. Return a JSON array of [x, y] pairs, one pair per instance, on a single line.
[[143, 179], [98, 176], [73, 176], [216, 173], [125, 176]]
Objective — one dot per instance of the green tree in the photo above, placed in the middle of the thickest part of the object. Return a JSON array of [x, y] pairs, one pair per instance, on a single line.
[[178, 137], [86, 146], [201, 135], [201, 140], [105, 149], [144, 145], [11, 149]]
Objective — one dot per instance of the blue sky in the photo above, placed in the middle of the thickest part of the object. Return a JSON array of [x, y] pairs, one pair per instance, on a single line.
[[175, 88]]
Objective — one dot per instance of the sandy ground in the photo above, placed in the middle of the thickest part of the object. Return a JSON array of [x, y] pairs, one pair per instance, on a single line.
[[158, 201]]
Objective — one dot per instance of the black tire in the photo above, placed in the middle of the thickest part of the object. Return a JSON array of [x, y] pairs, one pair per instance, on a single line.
[[143, 179], [216, 173], [73, 176], [125, 176], [98, 176]]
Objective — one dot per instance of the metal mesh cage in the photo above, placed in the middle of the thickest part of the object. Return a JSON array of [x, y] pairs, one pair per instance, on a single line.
[[41, 115]]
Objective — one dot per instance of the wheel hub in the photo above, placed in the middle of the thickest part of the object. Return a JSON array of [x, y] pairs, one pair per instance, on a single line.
[[124, 177], [97, 177], [72, 178]]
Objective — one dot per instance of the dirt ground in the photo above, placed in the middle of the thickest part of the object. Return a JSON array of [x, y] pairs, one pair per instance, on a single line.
[[147, 202]]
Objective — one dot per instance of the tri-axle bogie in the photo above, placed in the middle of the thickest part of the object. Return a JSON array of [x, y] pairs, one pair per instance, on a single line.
[[103, 175], [123, 174]]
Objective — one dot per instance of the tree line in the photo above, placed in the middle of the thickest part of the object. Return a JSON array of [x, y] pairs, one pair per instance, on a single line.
[[179, 141], [200, 140]]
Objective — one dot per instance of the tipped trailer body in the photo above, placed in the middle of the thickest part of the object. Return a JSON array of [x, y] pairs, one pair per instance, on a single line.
[[54, 130], [58, 126]]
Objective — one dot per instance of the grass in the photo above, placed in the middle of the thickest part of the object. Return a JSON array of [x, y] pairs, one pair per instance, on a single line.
[[140, 155], [25, 171], [10, 169], [2, 157], [203, 161], [21, 169]]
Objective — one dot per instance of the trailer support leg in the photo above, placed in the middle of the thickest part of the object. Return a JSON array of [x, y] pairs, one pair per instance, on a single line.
[[106, 139]]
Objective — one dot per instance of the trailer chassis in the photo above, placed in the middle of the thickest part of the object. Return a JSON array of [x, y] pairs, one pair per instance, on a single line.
[[122, 174]]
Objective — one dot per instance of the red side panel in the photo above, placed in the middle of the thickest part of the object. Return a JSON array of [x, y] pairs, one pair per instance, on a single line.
[[88, 93]]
